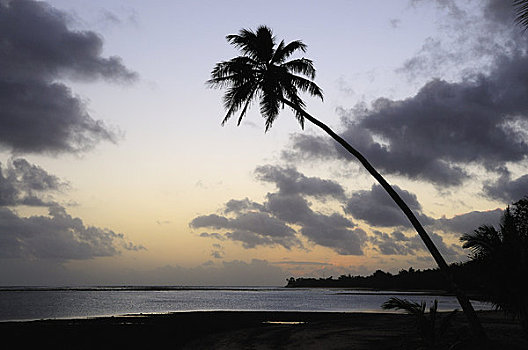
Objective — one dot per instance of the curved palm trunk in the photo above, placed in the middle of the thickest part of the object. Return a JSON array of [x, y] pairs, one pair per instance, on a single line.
[[470, 313]]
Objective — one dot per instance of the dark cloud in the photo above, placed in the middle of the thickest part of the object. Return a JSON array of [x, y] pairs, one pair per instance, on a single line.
[[237, 206], [22, 183], [214, 235], [273, 221], [256, 224], [375, 207], [431, 135], [397, 243], [335, 232], [506, 189], [251, 229], [306, 147], [289, 208], [290, 181], [38, 114], [478, 119], [57, 237], [467, 222], [451, 251]]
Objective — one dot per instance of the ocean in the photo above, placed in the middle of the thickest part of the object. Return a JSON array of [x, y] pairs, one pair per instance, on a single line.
[[23, 303]]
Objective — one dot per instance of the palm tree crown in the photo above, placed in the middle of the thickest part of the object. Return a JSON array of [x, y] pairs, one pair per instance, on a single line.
[[264, 72]]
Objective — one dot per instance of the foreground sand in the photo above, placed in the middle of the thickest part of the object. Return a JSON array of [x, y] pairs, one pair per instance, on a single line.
[[250, 330]]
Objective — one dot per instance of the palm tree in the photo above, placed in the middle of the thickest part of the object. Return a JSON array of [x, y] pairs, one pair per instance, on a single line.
[[264, 72], [502, 255], [426, 323]]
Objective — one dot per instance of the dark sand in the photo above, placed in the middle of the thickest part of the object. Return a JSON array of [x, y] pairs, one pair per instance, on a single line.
[[249, 330]]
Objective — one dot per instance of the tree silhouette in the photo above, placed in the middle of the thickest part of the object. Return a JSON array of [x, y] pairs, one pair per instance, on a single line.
[[264, 72], [430, 326], [503, 258]]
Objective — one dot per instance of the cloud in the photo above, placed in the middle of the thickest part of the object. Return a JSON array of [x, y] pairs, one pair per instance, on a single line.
[[287, 218], [268, 223], [467, 222], [334, 232], [252, 229], [40, 114], [396, 243], [506, 189], [22, 183], [218, 251], [237, 206], [290, 181], [375, 207], [57, 237], [477, 118]]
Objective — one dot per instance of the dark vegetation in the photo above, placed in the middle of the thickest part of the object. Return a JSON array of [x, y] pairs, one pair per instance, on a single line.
[[467, 274], [502, 255]]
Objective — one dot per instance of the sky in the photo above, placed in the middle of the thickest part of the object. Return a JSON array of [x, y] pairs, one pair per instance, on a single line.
[[115, 168]]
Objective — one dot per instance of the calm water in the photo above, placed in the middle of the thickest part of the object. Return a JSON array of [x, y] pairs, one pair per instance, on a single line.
[[46, 303]]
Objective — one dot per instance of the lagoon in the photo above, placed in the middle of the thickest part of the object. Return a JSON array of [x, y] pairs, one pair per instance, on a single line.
[[18, 304]]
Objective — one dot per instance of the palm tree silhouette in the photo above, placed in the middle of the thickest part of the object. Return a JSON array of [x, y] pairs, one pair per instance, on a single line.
[[503, 258], [430, 326], [264, 72]]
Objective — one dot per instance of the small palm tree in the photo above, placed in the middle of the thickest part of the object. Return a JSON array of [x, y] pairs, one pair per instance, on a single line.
[[426, 323], [264, 72]]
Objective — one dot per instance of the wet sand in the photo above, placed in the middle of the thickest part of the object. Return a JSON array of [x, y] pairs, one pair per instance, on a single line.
[[252, 330]]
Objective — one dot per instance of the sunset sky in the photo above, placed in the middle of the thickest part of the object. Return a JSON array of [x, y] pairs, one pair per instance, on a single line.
[[115, 168]]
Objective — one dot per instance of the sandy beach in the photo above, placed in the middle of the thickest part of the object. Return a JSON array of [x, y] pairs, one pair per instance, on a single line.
[[251, 330]]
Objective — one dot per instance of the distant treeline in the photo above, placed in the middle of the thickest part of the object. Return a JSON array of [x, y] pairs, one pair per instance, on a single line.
[[466, 274]]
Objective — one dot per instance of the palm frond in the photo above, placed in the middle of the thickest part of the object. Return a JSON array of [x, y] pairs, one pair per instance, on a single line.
[[521, 12], [235, 65], [238, 97], [410, 307], [292, 94], [303, 66], [258, 45], [248, 102], [283, 52], [482, 242], [245, 41], [306, 85], [270, 105]]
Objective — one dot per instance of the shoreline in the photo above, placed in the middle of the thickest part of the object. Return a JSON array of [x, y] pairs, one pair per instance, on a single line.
[[250, 329]]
